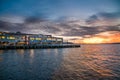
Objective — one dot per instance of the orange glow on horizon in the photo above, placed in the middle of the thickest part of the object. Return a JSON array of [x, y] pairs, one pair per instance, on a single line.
[[95, 40], [102, 38]]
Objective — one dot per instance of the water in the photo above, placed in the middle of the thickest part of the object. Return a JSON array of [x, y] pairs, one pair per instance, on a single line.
[[90, 62]]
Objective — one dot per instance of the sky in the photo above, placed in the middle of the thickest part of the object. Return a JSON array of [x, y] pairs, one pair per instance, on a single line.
[[79, 21]]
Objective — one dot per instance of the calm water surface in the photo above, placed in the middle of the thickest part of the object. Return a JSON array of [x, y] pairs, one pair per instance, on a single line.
[[90, 62]]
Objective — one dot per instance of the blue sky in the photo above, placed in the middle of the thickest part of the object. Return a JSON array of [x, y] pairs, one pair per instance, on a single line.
[[56, 8]]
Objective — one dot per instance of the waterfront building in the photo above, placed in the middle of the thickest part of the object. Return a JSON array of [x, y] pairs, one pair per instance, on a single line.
[[18, 38], [59, 40], [6, 38], [35, 39]]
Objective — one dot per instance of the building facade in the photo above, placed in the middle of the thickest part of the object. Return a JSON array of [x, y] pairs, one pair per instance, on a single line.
[[27, 39]]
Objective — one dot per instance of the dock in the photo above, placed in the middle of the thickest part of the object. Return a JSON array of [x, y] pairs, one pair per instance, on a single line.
[[41, 46]]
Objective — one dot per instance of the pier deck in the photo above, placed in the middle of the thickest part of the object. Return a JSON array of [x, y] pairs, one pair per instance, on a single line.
[[41, 46]]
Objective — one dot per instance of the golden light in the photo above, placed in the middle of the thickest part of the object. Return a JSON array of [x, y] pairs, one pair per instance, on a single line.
[[105, 37], [94, 40]]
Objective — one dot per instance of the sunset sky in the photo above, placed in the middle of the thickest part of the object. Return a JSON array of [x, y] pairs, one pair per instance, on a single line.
[[79, 21]]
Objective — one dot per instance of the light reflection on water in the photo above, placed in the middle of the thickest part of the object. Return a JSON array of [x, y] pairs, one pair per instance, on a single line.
[[90, 62]]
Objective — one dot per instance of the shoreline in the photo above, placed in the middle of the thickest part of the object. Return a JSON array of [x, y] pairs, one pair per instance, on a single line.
[[40, 46]]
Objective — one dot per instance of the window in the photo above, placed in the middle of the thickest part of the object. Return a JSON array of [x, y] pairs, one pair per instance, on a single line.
[[7, 37], [54, 39], [11, 37], [31, 38], [38, 38], [3, 37], [48, 38], [59, 39]]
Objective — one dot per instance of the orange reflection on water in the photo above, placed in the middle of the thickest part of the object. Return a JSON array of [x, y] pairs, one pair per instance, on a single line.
[[86, 63], [1, 52], [31, 55], [20, 51]]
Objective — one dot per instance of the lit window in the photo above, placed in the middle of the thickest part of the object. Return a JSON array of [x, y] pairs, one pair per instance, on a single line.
[[11, 37], [38, 38], [59, 39], [48, 38], [3, 37], [31, 38]]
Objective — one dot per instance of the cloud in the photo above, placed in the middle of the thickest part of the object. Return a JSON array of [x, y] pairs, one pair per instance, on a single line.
[[106, 15], [64, 28], [6, 26], [31, 25], [33, 19], [92, 19], [12, 19], [89, 30], [83, 30], [104, 18]]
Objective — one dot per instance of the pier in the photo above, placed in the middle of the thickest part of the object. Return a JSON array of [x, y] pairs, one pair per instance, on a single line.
[[41, 46]]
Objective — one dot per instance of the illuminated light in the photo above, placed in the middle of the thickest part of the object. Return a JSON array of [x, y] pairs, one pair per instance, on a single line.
[[23, 37], [11, 37], [31, 38], [59, 39], [38, 38], [95, 40], [3, 37], [49, 39], [19, 43]]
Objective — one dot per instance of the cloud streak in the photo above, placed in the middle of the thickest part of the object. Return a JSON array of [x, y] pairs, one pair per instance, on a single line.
[[66, 27], [104, 18]]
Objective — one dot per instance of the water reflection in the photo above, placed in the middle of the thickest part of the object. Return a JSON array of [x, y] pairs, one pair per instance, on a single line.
[[1, 51], [31, 55], [29, 64], [20, 51], [91, 62]]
